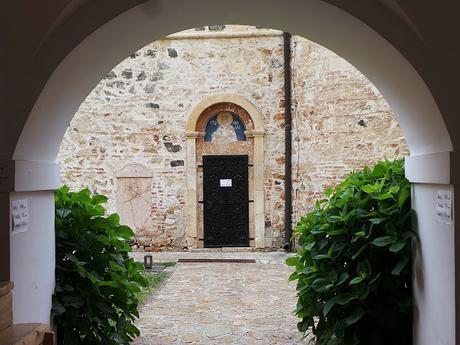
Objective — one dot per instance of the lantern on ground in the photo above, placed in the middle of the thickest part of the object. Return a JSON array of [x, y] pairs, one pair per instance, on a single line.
[[148, 261]]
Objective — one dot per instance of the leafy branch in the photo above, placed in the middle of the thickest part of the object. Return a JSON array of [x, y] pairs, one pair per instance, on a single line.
[[353, 265]]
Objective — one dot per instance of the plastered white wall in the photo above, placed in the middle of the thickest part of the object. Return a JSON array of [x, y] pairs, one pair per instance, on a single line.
[[434, 288], [32, 260]]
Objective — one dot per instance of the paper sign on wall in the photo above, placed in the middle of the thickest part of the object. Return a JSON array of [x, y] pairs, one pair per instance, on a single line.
[[20, 215], [226, 182], [444, 206]]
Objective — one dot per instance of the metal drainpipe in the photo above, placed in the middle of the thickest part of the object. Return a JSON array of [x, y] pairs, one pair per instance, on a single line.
[[287, 143]]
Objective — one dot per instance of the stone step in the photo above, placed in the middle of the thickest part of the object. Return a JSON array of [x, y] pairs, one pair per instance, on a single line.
[[6, 313], [222, 250], [27, 334]]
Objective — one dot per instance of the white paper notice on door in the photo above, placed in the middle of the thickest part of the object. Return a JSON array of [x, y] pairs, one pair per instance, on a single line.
[[444, 206], [225, 182], [20, 216]]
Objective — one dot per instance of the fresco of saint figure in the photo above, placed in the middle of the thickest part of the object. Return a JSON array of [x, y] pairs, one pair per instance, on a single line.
[[225, 132], [225, 126]]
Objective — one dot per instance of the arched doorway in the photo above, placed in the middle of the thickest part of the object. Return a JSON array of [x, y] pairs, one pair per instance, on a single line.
[[34, 172], [248, 140]]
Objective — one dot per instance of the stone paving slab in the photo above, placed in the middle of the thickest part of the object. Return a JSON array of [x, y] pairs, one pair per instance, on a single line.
[[276, 257], [223, 303]]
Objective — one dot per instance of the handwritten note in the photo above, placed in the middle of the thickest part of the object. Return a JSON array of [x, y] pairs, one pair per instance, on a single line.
[[444, 206], [20, 215]]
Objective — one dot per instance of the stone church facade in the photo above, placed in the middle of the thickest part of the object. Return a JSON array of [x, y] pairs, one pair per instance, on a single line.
[[149, 132]]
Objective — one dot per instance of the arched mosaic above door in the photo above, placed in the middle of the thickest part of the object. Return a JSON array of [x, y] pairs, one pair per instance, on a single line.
[[225, 126]]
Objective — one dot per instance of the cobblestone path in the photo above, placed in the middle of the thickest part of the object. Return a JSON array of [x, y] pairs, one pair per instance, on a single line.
[[223, 303]]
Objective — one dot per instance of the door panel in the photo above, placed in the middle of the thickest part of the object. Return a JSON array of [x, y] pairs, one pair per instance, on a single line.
[[226, 204]]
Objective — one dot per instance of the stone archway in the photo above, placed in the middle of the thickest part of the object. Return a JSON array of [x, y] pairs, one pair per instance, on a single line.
[[33, 171], [255, 133]]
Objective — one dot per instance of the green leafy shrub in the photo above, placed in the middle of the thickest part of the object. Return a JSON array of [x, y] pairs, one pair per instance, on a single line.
[[95, 300], [353, 265]]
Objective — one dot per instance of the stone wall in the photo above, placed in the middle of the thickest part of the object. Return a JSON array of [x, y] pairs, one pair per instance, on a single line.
[[340, 123], [138, 112]]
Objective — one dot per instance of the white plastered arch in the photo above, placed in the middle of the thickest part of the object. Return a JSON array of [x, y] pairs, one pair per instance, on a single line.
[[405, 91]]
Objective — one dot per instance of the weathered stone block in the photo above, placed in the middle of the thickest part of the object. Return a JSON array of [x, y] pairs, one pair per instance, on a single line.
[[172, 52], [177, 163], [216, 27], [172, 147], [127, 73]]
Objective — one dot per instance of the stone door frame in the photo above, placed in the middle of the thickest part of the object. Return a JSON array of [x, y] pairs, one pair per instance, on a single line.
[[192, 134]]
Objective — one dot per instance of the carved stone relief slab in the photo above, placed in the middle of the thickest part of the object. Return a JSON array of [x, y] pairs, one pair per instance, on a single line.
[[133, 201], [134, 197]]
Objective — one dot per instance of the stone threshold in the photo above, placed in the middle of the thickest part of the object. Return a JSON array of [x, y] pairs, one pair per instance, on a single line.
[[210, 260], [223, 250]]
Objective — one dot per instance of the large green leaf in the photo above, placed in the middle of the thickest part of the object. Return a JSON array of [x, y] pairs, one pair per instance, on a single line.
[[403, 197], [354, 317], [342, 278], [321, 285], [357, 280], [345, 298], [397, 246], [400, 266], [376, 220], [292, 261], [369, 189], [384, 196], [382, 241], [364, 268], [360, 250], [100, 199], [328, 306]]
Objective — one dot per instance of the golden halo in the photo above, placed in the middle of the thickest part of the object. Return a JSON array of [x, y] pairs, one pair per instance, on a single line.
[[224, 117]]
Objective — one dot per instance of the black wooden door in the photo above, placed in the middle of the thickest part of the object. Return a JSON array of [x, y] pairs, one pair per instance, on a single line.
[[226, 204]]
